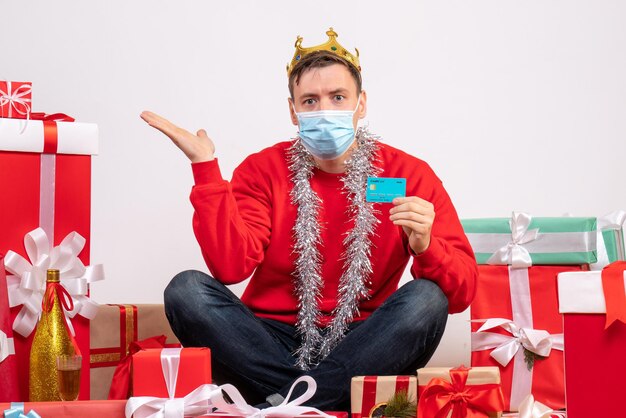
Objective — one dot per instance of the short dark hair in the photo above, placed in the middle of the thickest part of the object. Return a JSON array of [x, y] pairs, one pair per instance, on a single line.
[[321, 59]]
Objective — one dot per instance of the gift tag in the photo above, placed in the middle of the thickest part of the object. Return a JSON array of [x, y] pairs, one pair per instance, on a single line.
[[384, 189]]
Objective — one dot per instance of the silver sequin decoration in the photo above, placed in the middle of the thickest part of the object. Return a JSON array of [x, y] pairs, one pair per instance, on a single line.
[[354, 282]]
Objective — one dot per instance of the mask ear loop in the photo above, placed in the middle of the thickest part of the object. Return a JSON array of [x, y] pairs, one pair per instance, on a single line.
[[293, 107], [358, 102]]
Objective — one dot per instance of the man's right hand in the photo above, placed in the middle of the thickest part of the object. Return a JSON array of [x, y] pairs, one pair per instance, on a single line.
[[198, 148]]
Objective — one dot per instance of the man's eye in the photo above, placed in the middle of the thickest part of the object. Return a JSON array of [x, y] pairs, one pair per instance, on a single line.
[[309, 101], [339, 97]]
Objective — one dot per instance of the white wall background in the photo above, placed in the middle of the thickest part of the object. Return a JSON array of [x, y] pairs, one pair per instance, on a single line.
[[516, 105]]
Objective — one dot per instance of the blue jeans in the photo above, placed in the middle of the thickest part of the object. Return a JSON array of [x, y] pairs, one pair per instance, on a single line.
[[255, 354]]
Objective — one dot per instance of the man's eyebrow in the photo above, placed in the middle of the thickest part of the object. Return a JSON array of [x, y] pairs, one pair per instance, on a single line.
[[339, 90]]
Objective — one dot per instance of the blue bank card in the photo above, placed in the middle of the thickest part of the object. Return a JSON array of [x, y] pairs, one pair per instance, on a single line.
[[384, 189]]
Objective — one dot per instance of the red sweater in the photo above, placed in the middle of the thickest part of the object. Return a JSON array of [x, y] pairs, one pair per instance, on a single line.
[[244, 228]]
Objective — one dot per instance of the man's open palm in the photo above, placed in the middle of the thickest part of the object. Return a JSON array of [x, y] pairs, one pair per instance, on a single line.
[[197, 148]]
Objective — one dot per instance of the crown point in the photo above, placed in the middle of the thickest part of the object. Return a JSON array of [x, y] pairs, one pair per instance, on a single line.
[[331, 33]]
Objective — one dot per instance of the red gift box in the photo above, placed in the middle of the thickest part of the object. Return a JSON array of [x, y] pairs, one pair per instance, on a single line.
[[194, 370], [527, 299], [8, 364], [595, 362], [76, 409], [369, 394], [52, 191], [459, 392], [15, 99], [118, 332]]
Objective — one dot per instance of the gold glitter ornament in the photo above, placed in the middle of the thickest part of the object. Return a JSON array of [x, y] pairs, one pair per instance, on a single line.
[[52, 339]]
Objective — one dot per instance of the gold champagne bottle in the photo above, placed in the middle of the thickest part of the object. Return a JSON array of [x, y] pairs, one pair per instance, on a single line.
[[52, 339]]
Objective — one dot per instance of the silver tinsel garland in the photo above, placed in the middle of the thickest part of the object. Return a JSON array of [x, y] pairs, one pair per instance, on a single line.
[[354, 282]]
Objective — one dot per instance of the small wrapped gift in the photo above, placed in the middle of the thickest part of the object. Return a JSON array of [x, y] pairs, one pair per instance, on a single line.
[[369, 394], [193, 369], [113, 332], [523, 241], [594, 325], [459, 392], [171, 383], [45, 181], [15, 99]]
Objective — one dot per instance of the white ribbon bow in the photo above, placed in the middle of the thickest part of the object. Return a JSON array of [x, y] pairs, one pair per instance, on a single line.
[[514, 253], [7, 346], [27, 283], [194, 404], [286, 409], [505, 347], [613, 220], [529, 408], [16, 97]]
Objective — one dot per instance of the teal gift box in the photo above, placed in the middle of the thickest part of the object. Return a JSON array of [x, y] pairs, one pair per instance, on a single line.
[[522, 241], [614, 243]]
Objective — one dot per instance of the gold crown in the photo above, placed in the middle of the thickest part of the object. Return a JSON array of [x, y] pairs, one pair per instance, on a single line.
[[331, 45]]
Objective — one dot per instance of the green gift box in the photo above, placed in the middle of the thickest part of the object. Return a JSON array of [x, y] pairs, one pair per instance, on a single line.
[[522, 241]]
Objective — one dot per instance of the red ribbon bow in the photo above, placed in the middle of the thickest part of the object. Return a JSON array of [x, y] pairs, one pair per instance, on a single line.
[[64, 297], [614, 293], [50, 134], [67, 304], [56, 117], [473, 401], [120, 385]]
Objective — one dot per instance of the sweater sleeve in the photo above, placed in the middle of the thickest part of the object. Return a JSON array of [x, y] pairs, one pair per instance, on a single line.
[[231, 220], [449, 260]]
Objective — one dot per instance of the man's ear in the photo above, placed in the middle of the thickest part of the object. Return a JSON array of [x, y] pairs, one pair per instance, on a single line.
[[362, 110], [292, 112]]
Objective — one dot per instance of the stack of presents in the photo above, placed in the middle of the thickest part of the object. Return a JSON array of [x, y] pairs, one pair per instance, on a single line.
[[548, 321]]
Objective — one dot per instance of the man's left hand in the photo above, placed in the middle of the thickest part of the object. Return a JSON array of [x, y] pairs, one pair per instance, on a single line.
[[416, 217]]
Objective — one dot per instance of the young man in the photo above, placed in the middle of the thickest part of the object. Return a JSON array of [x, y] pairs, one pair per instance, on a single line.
[[325, 263]]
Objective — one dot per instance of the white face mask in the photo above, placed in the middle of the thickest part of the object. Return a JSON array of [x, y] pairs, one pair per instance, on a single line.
[[327, 134]]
